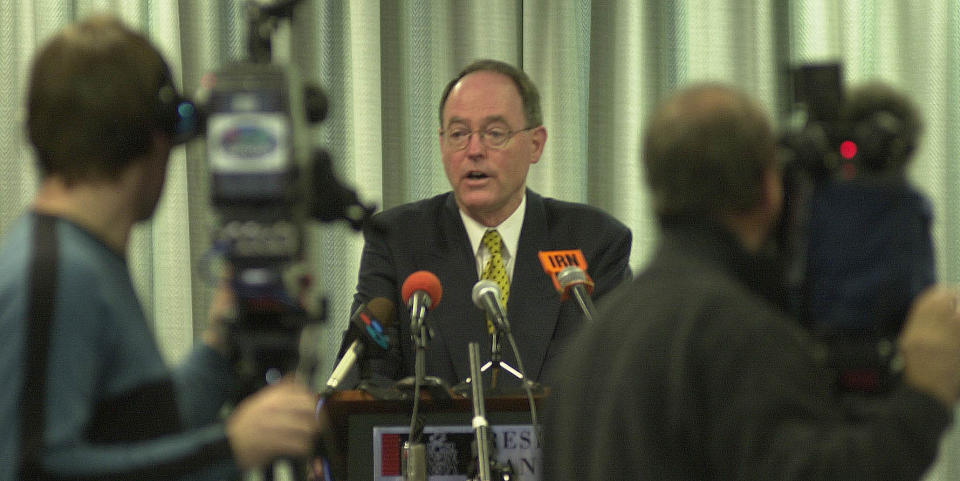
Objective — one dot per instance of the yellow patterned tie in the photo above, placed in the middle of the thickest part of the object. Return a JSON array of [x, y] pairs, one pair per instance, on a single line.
[[495, 270]]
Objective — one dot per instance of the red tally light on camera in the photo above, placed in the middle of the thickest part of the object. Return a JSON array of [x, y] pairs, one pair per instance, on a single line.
[[848, 149]]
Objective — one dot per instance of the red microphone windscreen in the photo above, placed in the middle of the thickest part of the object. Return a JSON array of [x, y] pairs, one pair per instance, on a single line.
[[422, 281]]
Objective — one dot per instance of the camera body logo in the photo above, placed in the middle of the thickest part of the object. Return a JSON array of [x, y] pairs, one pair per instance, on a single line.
[[248, 142]]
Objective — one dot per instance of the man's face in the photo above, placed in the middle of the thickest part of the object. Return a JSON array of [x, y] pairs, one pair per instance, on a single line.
[[488, 182]]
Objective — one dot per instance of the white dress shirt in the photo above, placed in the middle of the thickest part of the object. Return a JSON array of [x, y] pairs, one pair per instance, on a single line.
[[509, 231]]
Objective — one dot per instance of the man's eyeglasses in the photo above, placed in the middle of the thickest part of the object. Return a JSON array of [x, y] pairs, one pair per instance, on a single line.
[[457, 138]]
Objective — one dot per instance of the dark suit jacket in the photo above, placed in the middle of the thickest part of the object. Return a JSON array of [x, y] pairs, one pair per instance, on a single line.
[[429, 235]]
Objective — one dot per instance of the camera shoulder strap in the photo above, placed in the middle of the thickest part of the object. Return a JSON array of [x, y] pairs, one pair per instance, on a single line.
[[42, 287]]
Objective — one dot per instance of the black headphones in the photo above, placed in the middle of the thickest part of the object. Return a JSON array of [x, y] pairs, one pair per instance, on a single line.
[[881, 142]]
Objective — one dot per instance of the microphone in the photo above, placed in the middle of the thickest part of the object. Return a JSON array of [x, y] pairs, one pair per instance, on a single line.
[[370, 320], [373, 319], [421, 291], [486, 296], [575, 280]]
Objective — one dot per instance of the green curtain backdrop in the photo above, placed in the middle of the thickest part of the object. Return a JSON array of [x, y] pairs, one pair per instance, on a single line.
[[601, 67]]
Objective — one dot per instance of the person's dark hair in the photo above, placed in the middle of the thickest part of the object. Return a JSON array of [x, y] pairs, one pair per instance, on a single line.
[[885, 123], [93, 100], [705, 152], [528, 91]]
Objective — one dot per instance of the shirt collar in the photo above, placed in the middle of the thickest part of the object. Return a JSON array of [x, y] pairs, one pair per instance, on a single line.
[[509, 230]]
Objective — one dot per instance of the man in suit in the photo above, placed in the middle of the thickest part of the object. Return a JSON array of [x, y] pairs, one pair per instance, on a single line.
[[697, 374], [491, 132]]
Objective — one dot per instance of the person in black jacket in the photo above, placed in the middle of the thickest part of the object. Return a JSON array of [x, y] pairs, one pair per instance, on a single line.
[[693, 371]]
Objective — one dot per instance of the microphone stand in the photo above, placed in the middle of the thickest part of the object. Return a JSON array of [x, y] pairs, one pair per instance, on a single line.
[[496, 359], [501, 329], [479, 414], [488, 468], [586, 304], [414, 451]]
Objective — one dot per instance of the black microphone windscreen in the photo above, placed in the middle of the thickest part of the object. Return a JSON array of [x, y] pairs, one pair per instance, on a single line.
[[374, 318]]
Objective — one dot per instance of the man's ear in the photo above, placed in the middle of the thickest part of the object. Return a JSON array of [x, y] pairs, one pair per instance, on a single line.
[[754, 224], [771, 191], [160, 146], [538, 136]]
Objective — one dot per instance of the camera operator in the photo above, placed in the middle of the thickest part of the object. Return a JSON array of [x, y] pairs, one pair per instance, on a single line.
[[87, 392], [694, 372], [869, 246]]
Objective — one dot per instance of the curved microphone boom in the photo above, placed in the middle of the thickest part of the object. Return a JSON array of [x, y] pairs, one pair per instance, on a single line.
[[368, 324], [574, 280], [486, 296], [421, 292]]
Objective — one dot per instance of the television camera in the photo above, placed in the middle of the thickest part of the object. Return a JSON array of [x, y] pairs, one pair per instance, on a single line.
[[267, 185]]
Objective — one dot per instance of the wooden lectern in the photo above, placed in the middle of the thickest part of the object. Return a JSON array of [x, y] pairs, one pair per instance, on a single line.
[[356, 415]]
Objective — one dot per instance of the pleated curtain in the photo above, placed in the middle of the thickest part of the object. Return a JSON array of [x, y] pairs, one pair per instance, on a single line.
[[601, 67]]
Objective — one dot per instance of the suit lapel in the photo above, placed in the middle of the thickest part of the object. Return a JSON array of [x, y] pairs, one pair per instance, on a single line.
[[534, 304], [456, 321]]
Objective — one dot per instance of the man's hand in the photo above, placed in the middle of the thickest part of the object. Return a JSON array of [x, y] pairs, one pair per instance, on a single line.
[[276, 421], [930, 345]]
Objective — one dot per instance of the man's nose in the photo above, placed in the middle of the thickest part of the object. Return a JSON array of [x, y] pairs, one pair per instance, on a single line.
[[475, 145]]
